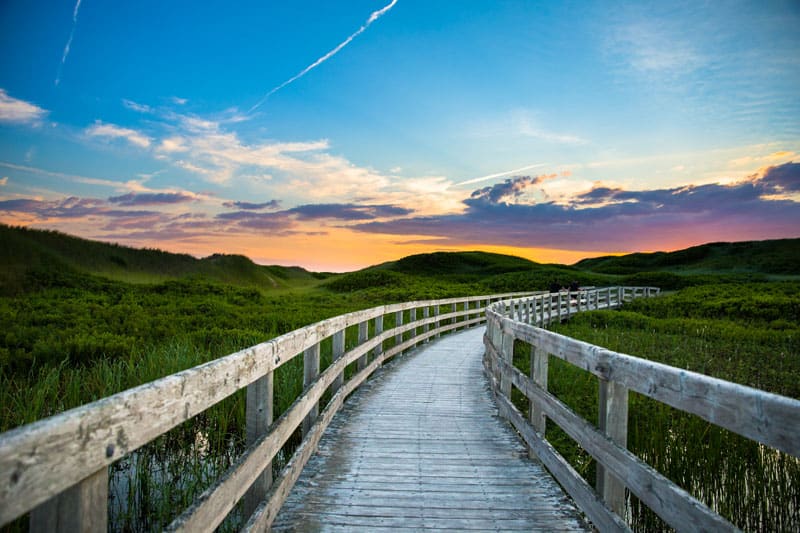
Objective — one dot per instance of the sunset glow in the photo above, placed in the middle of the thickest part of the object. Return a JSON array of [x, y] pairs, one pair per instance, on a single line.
[[340, 135]]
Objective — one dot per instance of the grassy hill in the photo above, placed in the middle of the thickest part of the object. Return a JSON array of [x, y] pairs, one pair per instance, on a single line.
[[31, 258], [478, 271], [779, 257]]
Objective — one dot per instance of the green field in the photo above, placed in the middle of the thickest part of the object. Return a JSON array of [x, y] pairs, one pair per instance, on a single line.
[[82, 320]]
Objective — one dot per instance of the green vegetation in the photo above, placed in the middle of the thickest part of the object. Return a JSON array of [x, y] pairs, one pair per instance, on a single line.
[[31, 259], [80, 320], [763, 257], [748, 334]]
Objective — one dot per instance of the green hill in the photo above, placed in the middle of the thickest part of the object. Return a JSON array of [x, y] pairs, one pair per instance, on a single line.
[[485, 272], [778, 257], [31, 258]]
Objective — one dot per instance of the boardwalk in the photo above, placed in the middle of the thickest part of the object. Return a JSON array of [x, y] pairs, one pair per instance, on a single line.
[[421, 447]]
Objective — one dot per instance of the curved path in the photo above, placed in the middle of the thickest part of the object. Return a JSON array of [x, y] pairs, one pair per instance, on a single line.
[[420, 446]]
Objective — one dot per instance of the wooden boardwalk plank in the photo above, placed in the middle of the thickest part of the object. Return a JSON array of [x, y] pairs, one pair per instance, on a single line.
[[421, 447]]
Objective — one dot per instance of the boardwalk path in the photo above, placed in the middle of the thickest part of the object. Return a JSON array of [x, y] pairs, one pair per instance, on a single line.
[[421, 447]]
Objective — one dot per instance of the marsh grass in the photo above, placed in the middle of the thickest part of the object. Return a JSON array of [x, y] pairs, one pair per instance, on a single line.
[[746, 334]]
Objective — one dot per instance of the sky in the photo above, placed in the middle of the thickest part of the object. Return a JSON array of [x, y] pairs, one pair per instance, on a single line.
[[337, 135]]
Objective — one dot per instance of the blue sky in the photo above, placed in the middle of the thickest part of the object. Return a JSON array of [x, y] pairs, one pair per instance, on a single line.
[[340, 134]]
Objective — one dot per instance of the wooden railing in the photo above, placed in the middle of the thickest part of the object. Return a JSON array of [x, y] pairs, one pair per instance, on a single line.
[[57, 468], [768, 418]]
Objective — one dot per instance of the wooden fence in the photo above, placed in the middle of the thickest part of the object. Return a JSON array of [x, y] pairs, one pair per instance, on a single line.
[[770, 419], [57, 468]]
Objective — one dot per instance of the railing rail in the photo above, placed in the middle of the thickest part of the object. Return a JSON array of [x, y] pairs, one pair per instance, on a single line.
[[57, 468], [768, 418]]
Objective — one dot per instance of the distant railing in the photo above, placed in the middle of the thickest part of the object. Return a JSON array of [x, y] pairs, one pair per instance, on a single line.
[[57, 468], [768, 418]]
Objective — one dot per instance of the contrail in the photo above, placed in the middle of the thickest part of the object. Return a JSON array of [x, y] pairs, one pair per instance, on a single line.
[[499, 174], [372, 18], [69, 41]]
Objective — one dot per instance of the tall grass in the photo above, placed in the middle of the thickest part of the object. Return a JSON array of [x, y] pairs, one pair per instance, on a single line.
[[729, 333]]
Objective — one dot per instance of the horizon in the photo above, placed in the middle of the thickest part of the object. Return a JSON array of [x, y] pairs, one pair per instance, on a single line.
[[336, 137]]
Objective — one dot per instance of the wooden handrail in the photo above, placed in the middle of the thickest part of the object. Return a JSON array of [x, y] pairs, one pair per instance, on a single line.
[[64, 458], [758, 415]]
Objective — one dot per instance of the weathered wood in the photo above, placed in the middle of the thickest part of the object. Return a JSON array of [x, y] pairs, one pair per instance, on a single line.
[[398, 321], [215, 503], [425, 312], [258, 414], [412, 318], [436, 312], [363, 335], [48, 456], [337, 352], [676, 506], [749, 412], [569, 478], [507, 353], [538, 368], [378, 350], [310, 373], [613, 421], [420, 447], [82, 508]]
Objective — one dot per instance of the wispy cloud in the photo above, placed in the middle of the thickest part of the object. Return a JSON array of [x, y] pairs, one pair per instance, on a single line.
[[101, 129], [69, 42], [372, 18], [134, 199], [135, 106], [4, 181], [272, 204], [19, 111], [501, 174]]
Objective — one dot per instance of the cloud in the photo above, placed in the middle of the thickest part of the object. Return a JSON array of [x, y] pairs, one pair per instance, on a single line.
[[615, 219], [652, 47], [172, 145], [134, 106], [134, 199], [500, 174], [372, 18], [67, 208], [272, 204], [510, 189], [346, 211], [101, 129], [4, 181], [780, 179], [69, 42], [178, 101], [19, 111]]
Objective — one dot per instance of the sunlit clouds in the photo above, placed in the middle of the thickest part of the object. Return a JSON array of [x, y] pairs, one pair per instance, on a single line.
[[14, 110], [335, 135]]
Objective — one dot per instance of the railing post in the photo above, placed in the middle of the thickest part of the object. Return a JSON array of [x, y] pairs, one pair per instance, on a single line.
[[338, 352], [412, 317], [363, 335], [82, 507], [378, 351], [613, 421], [398, 321], [437, 324], [258, 417], [425, 313], [507, 353], [559, 306], [310, 373], [539, 362]]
